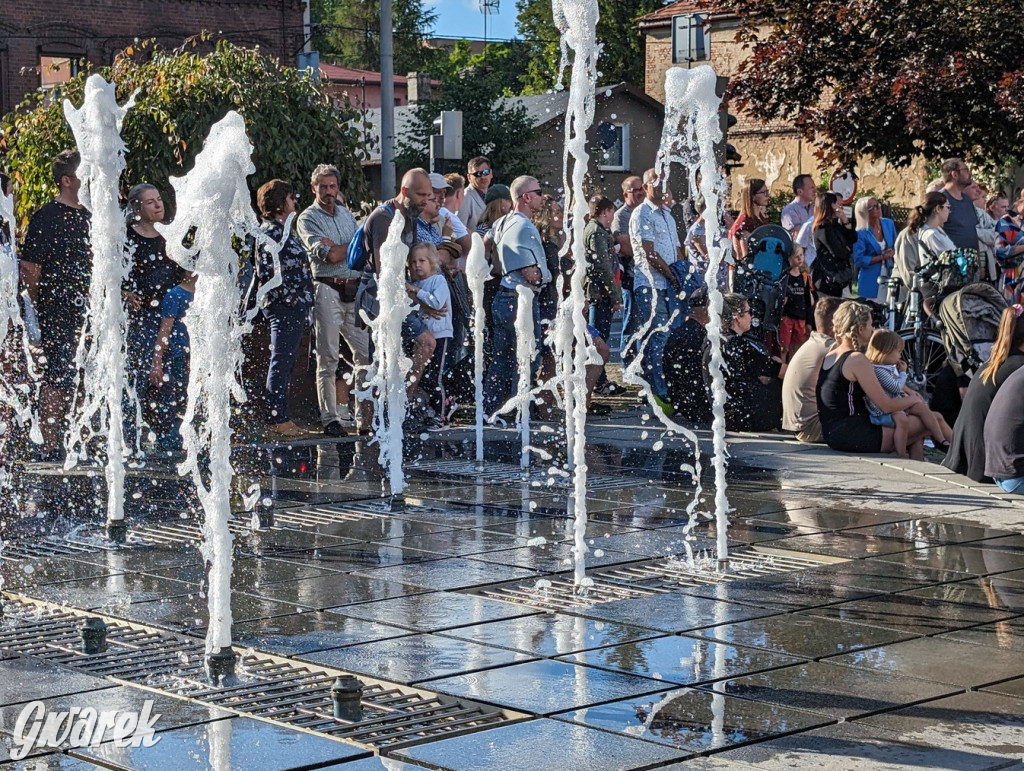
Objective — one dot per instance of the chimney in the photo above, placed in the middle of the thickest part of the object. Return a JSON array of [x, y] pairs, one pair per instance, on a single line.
[[418, 88]]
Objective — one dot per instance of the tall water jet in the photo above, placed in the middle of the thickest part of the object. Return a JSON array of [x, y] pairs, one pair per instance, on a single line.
[[213, 204], [526, 352], [577, 22], [477, 273], [101, 350], [691, 131], [388, 374]]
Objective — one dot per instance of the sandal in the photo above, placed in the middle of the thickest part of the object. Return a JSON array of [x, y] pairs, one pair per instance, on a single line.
[[288, 430]]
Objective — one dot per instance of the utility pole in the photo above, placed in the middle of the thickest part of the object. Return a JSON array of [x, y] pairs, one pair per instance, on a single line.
[[387, 104]]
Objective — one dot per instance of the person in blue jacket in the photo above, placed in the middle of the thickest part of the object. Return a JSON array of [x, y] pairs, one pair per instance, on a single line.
[[872, 254]]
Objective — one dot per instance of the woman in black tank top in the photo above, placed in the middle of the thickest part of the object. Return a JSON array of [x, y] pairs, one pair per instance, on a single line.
[[846, 378]]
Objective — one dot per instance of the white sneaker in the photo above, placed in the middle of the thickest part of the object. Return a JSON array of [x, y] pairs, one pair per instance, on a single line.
[[345, 416]]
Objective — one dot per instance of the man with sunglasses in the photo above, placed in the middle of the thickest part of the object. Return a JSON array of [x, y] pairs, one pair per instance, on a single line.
[[480, 176]]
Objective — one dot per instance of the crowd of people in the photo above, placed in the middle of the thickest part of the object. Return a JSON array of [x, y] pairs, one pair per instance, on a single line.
[[821, 371]]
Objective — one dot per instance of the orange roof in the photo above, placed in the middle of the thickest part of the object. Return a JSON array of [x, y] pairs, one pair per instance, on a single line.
[[664, 15]]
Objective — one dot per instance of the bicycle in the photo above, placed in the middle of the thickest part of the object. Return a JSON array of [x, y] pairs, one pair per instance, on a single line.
[[923, 347]]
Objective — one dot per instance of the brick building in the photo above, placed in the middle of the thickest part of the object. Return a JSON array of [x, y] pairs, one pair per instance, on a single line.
[[41, 41]]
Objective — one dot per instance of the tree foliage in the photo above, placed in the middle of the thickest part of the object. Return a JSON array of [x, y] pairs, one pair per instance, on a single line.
[[292, 124], [894, 79], [348, 34], [622, 44], [489, 127]]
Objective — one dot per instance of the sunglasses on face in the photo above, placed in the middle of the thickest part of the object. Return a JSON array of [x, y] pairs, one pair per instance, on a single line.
[[481, 173]]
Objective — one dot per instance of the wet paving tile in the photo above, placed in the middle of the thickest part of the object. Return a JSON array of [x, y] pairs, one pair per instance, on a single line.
[[147, 560], [333, 590], [836, 691], [930, 531], [559, 529], [857, 747], [415, 658], [881, 575], [551, 634], [801, 635], [458, 543], [189, 613], [1006, 635], [553, 557], [985, 592], [973, 722], [237, 742], [963, 559], [682, 660], [306, 632], [363, 555], [436, 611], [933, 659], [112, 594], [910, 614], [843, 544], [450, 573], [531, 744], [545, 686], [787, 592], [250, 572], [673, 612], [696, 720], [24, 679], [50, 570], [754, 531], [1014, 688]]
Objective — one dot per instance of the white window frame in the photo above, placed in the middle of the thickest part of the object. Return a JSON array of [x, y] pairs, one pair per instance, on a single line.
[[691, 38], [625, 148]]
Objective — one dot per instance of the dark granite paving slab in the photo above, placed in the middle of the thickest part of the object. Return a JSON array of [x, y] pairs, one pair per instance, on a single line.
[[881, 575], [664, 542], [1006, 635], [817, 518], [375, 763], [836, 691], [856, 747], [545, 686], [558, 529], [682, 660], [1014, 688], [984, 592], [146, 560], [975, 722], [753, 531], [540, 744], [279, 540], [239, 742], [189, 613], [789, 592], [673, 612], [696, 720], [333, 590], [930, 532], [306, 632], [800, 635], [450, 573], [843, 544], [938, 660], [910, 614], [50, 570], [457, 543], [552, 634], [111, 593], [552, 557], [436, 611], [963, 559], [249, 572], [359, 556], [417, 657], [43, 761], [24, 679]]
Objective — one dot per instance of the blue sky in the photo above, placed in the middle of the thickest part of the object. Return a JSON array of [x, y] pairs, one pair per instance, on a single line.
[[462, 18]]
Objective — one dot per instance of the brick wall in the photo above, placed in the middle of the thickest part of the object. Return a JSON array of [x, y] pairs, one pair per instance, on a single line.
[[97, 29]]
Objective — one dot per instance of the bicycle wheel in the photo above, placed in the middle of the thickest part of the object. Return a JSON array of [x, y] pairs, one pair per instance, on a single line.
[[932, 357]]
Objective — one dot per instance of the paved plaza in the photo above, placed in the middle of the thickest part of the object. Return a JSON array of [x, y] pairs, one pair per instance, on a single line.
[[871, 614]]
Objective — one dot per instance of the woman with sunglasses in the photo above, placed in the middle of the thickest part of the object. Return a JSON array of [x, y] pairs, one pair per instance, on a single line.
[[752, 376], [832, 270], [873, 252], [753, 214]]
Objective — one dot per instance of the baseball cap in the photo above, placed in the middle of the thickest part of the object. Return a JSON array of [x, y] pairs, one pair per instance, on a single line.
[[437, 181], [495, 192]]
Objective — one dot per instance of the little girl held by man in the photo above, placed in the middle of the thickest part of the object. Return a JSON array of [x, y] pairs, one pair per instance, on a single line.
[[884, 352], [429, 289]]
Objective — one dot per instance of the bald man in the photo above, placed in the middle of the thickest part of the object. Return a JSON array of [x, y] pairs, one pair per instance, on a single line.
[[416, 191]]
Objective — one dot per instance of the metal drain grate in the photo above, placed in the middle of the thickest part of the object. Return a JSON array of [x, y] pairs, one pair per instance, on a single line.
[[674, 573], [313, 516], [167, 533], [504, 473], [648, 578], [560, 594], [51, 546], [267, 687]]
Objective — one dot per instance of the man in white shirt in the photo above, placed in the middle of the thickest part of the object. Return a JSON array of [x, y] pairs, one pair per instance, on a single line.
[[480, 176], [801, 208], [655, 241]]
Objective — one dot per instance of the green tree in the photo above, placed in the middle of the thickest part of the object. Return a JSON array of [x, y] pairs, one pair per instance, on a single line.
[[500, 131], [894, 79], [348, 34], [292, 124], [622, 53]]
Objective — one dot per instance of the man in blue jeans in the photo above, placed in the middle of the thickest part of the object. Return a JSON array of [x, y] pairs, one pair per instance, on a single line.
[[523, 262], [655, 241]]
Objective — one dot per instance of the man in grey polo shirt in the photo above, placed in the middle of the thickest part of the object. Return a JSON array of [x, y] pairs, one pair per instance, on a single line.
[[326, 228]]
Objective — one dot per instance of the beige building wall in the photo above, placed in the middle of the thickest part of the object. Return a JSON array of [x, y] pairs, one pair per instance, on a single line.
[[773, 150]]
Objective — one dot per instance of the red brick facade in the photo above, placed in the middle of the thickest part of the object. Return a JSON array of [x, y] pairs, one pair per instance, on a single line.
[[97, 29]]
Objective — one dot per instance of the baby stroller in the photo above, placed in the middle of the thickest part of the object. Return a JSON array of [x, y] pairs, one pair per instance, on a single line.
[[970, 324], [759, 279]]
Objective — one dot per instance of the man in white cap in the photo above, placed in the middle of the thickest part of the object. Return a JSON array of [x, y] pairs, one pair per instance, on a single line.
[[459, 234]]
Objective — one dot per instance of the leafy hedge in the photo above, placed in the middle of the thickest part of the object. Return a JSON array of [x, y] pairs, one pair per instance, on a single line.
[[292, 124]]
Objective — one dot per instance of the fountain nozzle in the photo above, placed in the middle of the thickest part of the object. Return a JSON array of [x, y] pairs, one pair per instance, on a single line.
[[94, 636], [117, 531], [347, 696], [220, 665], [396, 503]]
